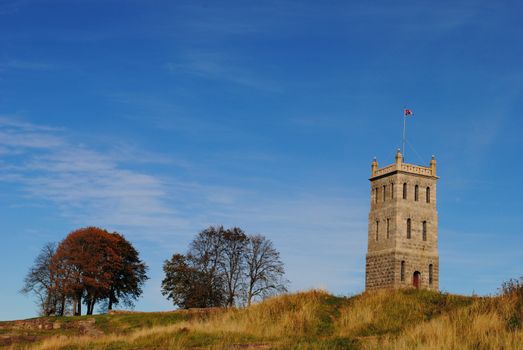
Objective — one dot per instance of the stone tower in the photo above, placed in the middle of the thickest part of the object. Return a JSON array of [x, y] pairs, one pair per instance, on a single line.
[[403, 227]]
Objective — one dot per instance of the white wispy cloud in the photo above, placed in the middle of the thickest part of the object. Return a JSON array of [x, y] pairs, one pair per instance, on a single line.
[[164, 114], [90, 186], [25, 65], [18, 136], [12, 122], [314, 230], [220, 66], [16, 139]]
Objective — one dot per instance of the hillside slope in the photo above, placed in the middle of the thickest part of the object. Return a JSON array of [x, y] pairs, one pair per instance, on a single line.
[[309, 320]]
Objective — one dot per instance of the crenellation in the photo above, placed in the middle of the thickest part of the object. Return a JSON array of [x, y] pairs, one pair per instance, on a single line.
[[399, 166]]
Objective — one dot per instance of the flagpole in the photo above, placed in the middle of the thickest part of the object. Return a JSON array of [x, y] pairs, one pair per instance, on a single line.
[[404, 132]]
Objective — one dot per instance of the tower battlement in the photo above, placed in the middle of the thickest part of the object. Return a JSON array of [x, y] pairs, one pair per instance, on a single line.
[[399, 166]]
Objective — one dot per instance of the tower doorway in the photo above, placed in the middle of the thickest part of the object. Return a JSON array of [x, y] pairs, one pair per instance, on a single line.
[[416, 279]]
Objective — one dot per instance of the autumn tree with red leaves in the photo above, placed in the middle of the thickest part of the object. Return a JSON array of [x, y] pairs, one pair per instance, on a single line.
[[128, 276], [92, 265], [86, 258]]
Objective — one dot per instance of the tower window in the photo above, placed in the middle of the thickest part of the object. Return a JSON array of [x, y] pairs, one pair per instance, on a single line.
[[428, 195], [384, 192], [376, 194], [405, 190], [424, 230], [388, 228], [392, 190], [377, 229], [408, 228], [402, 271], [430, 274], [416, 192]]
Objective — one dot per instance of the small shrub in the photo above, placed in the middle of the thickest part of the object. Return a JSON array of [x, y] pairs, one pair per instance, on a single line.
[[512, 287]]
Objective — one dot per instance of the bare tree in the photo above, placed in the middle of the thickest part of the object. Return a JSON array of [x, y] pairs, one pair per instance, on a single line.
[[224, 268], [41, 282], [265, 269], [232, 263]]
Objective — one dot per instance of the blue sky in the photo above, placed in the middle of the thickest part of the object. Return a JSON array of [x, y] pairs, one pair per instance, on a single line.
[[160, 118]]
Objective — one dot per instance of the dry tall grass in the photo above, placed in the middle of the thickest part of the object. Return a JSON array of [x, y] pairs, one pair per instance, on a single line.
[[488, 323], [301, 314], [317, 320]]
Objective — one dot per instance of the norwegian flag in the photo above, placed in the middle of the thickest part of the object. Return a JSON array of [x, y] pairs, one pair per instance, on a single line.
[[408, 112]]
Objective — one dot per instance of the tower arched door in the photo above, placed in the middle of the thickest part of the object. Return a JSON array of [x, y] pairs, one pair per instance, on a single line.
[[416, 279]]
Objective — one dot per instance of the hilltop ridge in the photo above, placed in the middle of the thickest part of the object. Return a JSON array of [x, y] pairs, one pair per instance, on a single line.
[[393, 319]]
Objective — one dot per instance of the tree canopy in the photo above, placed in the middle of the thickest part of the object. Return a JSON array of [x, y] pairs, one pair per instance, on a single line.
[[89, 266], [223, 267]]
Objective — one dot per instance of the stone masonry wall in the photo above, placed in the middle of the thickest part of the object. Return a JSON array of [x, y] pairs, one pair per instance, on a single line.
[[379, 272]]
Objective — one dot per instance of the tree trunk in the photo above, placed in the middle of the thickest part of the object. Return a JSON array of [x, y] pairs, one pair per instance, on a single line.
[[90, 306], [110, 305], [89, 303], [78, 306], [47, 304], [62, 306], [249, 293]]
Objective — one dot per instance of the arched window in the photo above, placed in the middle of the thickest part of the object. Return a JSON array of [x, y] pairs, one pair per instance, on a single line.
[[392, 190], [424, 230], [388, 228], [377, 229], [405, 190], [408, 228], [428, 195], [384, 192], [402, 271], [416, 190], [430, 274]]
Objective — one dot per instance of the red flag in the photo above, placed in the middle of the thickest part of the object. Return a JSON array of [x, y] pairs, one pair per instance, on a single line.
[[408, 112]]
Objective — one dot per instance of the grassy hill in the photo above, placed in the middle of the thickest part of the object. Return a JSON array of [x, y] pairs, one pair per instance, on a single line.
[[408, 319]]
